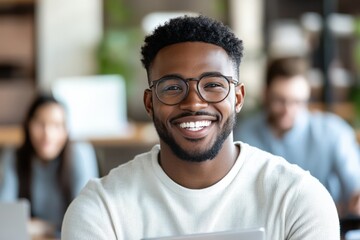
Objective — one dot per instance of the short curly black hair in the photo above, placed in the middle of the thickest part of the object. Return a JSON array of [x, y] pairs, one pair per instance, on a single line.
[[192, 29]]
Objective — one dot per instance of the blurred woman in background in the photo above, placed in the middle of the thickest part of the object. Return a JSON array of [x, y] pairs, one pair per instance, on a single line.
[[47, 169]]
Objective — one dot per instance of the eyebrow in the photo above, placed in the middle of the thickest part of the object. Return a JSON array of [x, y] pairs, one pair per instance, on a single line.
[[181, 76]]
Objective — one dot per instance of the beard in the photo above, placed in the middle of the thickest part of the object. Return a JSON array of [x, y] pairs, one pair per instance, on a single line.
[[279, 123], [193, 155]]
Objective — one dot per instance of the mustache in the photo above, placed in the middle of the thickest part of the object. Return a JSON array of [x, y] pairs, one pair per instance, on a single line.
[[190, 114]]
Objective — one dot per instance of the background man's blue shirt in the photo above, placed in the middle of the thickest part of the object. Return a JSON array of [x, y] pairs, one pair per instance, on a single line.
[[321, 143]]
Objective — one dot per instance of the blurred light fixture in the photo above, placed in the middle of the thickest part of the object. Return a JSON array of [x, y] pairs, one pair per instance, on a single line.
[[341, 25], [287, 39], [311, 21]]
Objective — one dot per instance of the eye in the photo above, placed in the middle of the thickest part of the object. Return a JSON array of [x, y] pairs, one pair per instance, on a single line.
[[214, 84], [171, 87]]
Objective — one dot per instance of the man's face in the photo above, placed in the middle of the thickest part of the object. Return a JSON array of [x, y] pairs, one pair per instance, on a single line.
[[194, 130], [285, 99]]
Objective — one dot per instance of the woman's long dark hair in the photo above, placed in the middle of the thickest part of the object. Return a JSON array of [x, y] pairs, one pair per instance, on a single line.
[[26, 152]]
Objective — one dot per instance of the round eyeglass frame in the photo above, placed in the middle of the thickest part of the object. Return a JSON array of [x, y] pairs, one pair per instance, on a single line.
[[229, 79]]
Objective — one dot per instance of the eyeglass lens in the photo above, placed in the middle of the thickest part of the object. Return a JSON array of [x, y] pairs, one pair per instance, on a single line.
[[211, 88]]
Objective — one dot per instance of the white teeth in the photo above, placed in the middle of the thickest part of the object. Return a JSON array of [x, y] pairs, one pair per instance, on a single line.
[[195, 126]]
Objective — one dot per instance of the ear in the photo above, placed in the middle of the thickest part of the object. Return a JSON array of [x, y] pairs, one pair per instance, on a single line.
[[148, 103], [239, 97]]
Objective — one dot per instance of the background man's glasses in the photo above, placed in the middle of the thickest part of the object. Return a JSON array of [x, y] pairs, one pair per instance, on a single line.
[[280, 102], [211, 87]]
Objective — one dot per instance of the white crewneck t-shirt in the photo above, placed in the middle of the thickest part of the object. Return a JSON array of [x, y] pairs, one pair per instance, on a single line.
[[138, 200]]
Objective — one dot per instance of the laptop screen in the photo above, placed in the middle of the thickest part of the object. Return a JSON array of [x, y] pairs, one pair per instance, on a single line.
[[14, 217]]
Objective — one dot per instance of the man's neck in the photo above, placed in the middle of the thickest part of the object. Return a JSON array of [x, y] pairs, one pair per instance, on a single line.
[[198, 175]]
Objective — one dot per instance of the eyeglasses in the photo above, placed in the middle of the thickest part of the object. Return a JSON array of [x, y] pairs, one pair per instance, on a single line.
[[211, 87], [281, 102]]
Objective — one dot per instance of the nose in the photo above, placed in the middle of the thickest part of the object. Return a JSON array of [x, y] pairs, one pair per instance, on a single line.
[[193, 101], [47, 132]]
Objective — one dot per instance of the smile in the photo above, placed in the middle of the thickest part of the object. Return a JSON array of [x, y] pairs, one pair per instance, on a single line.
[[195, 126]]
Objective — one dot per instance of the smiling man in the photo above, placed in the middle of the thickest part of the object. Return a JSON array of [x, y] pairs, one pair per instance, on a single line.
[[198, 180]]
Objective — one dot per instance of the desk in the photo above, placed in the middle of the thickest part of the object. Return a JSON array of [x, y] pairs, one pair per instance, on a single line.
[[139, 134], [10, 135]]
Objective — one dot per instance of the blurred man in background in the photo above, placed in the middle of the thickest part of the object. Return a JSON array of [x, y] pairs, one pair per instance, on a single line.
[[321, 143]]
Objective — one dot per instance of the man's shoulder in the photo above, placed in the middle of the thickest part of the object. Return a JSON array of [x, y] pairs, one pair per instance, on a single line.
[[323, 121], [327, 117], [118, 183], [279, 178], [128, 170]]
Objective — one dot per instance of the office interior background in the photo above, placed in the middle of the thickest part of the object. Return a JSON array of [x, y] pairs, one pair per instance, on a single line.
[[44, 42]]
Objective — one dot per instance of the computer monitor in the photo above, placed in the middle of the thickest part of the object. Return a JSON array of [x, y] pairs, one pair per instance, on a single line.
[[96, 105]]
